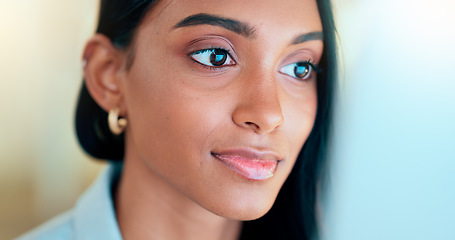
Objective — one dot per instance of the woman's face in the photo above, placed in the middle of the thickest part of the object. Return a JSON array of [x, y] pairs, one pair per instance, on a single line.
[[221, 96]]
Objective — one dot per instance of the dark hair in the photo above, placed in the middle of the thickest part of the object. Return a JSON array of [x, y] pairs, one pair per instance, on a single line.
[[293, 216]]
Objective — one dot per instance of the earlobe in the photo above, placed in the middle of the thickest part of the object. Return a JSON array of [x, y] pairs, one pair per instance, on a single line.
[[102, 71]]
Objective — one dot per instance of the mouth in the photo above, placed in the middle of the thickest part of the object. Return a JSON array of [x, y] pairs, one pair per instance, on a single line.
[[250, 164]]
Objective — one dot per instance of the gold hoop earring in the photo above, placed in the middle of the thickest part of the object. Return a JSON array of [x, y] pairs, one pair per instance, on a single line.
[[116, 125]]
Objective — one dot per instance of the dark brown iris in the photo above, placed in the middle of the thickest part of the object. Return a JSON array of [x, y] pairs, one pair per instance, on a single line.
[[218, 57], [301, 70]]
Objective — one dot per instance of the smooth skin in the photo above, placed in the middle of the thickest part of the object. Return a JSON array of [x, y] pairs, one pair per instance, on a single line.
[[180, 111]]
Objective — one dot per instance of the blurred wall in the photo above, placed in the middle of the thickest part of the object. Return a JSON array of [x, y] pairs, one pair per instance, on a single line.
[[393, 154], [42, 169]]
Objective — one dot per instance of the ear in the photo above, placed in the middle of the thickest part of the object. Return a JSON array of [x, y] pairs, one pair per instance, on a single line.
[[104, 72]]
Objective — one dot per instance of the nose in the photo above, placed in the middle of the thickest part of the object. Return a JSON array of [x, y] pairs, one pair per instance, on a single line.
[[259, 106]]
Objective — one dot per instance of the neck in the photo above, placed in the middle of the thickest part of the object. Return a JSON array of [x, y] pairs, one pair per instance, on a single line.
[[148, 207]]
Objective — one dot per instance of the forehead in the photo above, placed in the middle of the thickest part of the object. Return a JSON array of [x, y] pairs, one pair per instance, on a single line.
[[293, 15]]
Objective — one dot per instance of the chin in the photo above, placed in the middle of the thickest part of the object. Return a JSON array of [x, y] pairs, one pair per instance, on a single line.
[[252, 213], [244, 209]]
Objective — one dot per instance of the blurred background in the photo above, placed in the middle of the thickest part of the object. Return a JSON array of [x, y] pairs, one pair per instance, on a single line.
[[392, 169], [42, 168], [393, 151]]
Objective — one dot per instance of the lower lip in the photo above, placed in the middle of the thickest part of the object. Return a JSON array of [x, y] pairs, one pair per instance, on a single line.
[[251, 169]]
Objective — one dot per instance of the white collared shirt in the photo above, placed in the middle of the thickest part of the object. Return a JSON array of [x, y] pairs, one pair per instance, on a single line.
[[92, 218]]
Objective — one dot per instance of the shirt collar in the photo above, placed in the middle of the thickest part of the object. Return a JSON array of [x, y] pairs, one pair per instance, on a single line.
[[94, 215]]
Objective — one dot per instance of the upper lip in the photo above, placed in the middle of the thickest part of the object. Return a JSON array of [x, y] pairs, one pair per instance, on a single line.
[[248, 154]]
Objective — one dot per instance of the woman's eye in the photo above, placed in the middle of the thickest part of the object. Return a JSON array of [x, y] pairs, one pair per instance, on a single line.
[[300, 70], [213, 57]]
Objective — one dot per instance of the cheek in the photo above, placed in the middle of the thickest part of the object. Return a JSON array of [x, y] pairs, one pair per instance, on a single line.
[[171, 124], [165, 117], [299, 116]]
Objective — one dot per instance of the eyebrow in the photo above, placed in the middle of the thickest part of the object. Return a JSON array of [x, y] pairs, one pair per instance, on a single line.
[[308, 37], [238, 27]]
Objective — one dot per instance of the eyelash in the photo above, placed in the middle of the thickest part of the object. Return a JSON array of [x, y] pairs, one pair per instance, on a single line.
[[311, 66], [227, 58]]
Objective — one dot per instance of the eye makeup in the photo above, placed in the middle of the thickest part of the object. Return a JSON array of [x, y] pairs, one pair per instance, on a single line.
[[213, 58], [212, 52], [301, 71], [300, 65]]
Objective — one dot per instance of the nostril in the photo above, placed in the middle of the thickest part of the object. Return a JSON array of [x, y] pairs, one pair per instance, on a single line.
[[260, 117], [251, 125]]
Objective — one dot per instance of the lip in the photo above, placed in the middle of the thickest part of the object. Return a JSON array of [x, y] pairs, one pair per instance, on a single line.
[[249, 163]]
